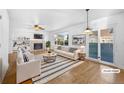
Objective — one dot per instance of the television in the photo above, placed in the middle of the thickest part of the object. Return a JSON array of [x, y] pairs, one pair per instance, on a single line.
[[38, 36]]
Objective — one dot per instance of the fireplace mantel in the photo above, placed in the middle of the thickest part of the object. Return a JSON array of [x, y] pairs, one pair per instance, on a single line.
[[37, 40]]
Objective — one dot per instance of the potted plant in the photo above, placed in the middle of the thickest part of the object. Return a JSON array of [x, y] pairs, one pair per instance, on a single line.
[[48, 45]]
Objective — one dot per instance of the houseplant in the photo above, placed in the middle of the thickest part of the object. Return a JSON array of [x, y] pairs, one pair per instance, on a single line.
[[48, 45]]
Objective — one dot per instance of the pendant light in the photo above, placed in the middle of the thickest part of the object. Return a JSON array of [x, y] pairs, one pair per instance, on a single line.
[[87, 30]]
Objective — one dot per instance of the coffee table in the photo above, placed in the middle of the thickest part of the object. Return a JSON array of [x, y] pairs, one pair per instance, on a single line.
[[49, 57]]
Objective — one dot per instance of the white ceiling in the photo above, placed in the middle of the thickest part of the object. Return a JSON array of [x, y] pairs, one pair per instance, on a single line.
[[53, 19]]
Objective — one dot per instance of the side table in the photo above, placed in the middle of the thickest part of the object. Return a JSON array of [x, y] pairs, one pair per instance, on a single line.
[[82, 56]]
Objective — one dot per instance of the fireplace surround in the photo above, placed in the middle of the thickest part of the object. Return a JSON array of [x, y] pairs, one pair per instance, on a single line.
[[38, 46]]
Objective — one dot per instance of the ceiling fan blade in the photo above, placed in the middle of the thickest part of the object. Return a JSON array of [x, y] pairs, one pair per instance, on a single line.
[[42, 28]]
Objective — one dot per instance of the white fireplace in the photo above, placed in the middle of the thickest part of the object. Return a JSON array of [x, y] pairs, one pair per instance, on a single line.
[[37, 44]]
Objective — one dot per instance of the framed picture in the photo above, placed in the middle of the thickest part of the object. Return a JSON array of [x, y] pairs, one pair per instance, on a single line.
[[79, 39]]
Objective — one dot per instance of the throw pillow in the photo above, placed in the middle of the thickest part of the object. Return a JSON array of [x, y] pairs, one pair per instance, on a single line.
[[65, 48], [29, 55], [25, 58], [72, 50], [20, 58], [59, 47], [23, 50]]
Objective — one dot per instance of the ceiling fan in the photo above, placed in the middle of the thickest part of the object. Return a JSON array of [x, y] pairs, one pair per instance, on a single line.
[[38, 27], [34, 25]]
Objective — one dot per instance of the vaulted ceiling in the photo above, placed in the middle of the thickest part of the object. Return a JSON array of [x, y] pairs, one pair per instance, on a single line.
[[53, 19]]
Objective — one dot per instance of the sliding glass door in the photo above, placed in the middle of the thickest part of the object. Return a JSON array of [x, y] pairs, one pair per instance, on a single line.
[[101, 45], [93, 45], [106, 45]]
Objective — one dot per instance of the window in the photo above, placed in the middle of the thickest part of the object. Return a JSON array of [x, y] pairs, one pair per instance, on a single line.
[[62, 39]]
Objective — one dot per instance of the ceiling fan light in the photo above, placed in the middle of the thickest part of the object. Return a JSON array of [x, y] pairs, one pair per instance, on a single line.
[[36, 27]]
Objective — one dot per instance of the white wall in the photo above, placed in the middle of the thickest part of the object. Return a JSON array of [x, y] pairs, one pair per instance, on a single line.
[[4, 31], [29, 33], [0, 52], [71, 30], [22, 21], [115, 21]]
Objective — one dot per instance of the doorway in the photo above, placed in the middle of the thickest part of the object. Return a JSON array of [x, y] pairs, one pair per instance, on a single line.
[[101, 45]]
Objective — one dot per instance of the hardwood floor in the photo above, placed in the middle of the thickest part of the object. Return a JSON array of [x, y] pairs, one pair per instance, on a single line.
[[10, 77], [87, 73]]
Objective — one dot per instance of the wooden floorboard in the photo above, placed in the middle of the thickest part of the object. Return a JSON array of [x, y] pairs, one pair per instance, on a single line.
[[87, 73], [10, 77]]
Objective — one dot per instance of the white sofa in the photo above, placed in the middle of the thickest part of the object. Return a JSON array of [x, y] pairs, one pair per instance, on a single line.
[[27, 70], [65, 51]]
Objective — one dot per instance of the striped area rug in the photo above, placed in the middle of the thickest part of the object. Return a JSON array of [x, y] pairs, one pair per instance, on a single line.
[[51, 70]]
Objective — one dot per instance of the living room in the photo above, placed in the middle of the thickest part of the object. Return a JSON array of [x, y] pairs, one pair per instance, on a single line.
[[57, 35]]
